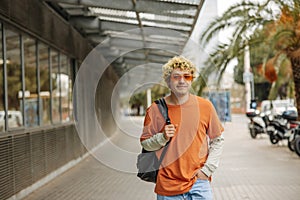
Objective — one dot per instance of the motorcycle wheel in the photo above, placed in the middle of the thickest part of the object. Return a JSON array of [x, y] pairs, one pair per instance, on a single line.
[[297, 146], [273, 138], [253, 133], [291, 145]]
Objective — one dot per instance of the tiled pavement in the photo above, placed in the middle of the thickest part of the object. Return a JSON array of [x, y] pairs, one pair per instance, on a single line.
[[249, 169]]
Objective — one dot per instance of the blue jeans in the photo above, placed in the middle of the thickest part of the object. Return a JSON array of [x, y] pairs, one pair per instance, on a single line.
[[201, 190]]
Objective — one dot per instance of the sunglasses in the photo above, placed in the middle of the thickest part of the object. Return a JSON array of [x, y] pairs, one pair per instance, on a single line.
[[178, 77]]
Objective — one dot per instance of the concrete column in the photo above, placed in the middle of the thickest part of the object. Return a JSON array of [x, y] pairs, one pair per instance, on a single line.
[[247, 77], [149, 101]]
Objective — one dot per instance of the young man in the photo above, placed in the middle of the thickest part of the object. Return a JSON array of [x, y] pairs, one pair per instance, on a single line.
[[196, 137]]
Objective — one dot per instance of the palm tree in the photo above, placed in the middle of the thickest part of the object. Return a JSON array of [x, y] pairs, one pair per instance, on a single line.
[[275, 23]]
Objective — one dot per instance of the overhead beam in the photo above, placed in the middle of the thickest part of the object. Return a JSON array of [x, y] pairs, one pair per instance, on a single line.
[[117, 26], [115, 4], [156, 7], [138, 44], [165, 8], [86, 22]]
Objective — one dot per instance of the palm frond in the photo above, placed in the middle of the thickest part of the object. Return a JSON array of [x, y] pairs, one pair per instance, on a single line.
[[225, 53], [212, 30], [283, 39], [222, 70], [251, 23], [235, 16]]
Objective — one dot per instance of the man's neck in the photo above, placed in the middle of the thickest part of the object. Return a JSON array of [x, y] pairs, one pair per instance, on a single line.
[[178, 100]]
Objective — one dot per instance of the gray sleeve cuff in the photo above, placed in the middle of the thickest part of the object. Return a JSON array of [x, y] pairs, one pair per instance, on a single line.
[[215, 151], [206, 171], [155, 142]]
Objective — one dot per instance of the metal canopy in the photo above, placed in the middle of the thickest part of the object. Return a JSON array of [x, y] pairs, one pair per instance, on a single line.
[[137, 32]]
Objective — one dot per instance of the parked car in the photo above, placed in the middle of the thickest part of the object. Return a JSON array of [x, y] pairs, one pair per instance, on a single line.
[[277, 107], [1, 121], [15, 119]]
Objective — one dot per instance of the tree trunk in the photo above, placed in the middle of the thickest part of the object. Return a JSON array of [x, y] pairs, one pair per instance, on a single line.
[[295, 61]]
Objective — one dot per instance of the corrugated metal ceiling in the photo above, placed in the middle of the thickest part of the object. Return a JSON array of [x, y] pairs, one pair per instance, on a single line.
[[136, 32]]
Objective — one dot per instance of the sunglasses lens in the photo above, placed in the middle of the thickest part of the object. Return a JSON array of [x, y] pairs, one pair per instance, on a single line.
[[176, 77], [188, 77]]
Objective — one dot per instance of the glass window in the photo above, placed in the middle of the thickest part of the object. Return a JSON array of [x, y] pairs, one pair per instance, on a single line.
[[65, 79], [47, 89], [2, 123], [14, 79], [73, 70], [44, 83], [56, 90], [31, 95]]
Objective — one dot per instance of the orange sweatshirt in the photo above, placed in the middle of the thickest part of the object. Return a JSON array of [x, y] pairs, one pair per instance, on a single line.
[[196, 120]]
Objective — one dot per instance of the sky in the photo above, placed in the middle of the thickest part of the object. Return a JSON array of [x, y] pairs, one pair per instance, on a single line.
[[210, 10], [224, 4]]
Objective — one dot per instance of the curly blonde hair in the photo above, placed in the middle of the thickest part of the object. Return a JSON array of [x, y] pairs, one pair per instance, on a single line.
[[177, 62]]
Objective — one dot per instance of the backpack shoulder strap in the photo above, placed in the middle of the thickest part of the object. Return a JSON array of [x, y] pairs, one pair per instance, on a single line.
[[162, 105], [163, 108]]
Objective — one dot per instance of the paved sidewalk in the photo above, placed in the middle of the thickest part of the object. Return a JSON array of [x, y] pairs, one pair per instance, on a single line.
[[249, 169]]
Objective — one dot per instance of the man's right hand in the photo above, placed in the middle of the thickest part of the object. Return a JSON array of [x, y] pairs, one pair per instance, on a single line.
[[169, 131]]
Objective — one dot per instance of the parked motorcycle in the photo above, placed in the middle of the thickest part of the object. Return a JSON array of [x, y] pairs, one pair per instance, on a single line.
[[258, 122], [297, 145], [295, 133], [282, 126]]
